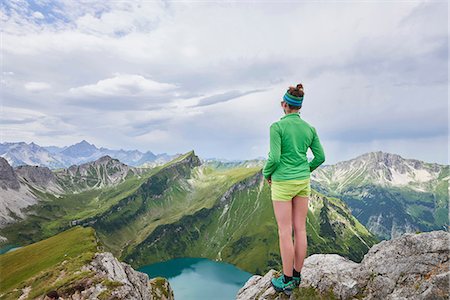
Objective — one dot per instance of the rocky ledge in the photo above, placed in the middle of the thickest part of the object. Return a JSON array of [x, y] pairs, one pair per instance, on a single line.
[[105, 277], [412, 266]]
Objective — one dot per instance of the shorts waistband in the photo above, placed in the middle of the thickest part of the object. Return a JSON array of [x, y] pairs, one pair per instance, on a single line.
[[293, 180]]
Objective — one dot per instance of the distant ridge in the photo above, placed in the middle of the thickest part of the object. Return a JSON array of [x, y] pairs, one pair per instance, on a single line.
[[53, 157], [389, 194]]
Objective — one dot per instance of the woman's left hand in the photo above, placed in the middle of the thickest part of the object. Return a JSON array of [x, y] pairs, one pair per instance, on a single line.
[[269, 181]]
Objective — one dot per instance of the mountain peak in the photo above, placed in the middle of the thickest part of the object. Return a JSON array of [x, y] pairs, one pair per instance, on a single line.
[[81, 149], [388, 156], [380, 159], [378, 155], [105, 158], [105, 171], [84, 142], [382, 169], [189, 158], [34, 146]]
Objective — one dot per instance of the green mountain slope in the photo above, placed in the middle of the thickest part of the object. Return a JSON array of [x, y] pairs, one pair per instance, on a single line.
[[177, 190], [241, 229]]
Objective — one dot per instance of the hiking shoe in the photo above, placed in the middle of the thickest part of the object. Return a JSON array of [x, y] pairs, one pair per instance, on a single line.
[[297, 279], [280, 286]]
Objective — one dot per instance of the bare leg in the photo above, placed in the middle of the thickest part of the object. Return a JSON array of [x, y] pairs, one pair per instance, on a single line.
[[299, 212], [283, 214]]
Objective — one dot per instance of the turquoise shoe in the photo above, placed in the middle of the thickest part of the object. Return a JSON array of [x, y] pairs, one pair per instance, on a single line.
[[297, 280], [280, 286]]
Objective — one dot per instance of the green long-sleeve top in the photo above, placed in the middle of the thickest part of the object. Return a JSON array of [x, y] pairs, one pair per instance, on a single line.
[[290, 138]]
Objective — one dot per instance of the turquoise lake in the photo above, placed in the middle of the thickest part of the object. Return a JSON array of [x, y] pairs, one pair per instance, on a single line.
[[199, 278], [6, 248]]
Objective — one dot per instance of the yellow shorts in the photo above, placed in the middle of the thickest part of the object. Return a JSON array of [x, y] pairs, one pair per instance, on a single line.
[[285, 190]]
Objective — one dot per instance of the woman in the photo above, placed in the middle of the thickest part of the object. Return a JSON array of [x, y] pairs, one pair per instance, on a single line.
[[287, 171]]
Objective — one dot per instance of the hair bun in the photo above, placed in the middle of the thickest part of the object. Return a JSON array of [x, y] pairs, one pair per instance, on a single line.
[[296, 91]]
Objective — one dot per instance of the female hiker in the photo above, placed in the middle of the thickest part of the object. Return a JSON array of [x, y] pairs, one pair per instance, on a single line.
[[287, 171]]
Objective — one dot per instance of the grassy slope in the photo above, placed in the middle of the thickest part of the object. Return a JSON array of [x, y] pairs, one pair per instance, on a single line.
[[132, 217], [36, 264], [183, 197]]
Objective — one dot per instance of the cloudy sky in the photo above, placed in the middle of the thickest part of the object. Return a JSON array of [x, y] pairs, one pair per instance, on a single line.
[[174, 76]]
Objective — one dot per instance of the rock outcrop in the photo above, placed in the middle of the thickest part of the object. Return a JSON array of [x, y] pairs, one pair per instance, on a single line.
[[14, 196], [8, 178], [39, 177], [108, 278], [413, 266]]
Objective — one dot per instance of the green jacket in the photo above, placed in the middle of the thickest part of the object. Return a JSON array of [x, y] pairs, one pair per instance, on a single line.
[[290, 138]]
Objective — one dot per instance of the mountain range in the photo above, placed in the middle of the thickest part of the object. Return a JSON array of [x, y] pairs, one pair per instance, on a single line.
[[390, 195], [219, 209], [53, 157], [185, 207]]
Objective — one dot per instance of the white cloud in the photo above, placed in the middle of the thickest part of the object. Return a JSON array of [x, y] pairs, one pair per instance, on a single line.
[[123, 85], [35, 86], [20, 124]]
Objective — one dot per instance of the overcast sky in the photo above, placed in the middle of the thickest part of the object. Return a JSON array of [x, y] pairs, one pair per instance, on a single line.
[[174, 76]]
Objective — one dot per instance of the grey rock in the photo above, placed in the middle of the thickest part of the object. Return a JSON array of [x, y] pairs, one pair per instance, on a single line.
[[412, 266], [133, 284], [258, 287], [39, 177], [8, 178], [160, 289], [14, 196], [331, 272]]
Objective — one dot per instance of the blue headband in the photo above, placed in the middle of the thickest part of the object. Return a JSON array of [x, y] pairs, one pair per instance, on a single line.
[[293, 100]]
